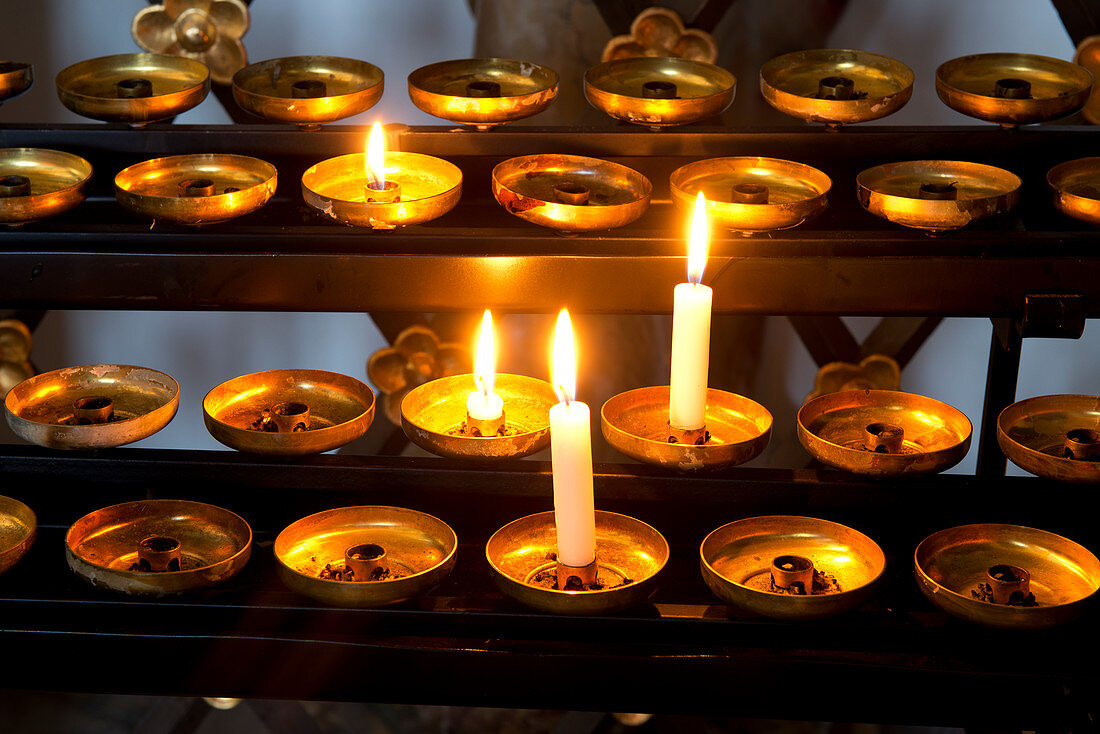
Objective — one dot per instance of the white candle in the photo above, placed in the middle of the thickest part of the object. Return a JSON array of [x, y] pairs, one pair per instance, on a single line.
[[571, 455], [483, 404], [691, 333]]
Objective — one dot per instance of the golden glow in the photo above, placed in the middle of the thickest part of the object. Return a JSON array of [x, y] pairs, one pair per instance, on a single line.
[[376, 158], [485, 359], [564, 363], [697, 243]]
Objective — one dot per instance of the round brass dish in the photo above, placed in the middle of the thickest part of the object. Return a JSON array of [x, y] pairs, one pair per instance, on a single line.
[[1042, 435], [432, 416], [937, 195], [308, 90], [483, 92], [571, 193], [793, 192], [736, 561], [636, 423], [1076, 187], [56, 181], [103, 546], [1013, 89], [698, 90], [196, 189], [950, 564], [836, 86], [856, 431], [101, 88], [44, 410], [18, 527], [429, 188], [339, 410], [419, 553], [15, 78], [630, 554]]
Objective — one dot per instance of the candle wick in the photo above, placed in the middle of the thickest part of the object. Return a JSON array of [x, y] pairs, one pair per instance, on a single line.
[[483, 385]]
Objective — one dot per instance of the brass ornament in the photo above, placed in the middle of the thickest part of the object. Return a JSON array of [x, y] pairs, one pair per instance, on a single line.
[[15, 354], [661, 32], [209, 31], [416, 357], [874, 372], [1088, 56]]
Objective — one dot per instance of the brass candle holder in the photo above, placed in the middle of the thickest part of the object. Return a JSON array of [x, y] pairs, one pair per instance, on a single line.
[[883, 433], [659, 92], [1076, 187], [1054, 436], [791, 567], [135, 89], [433, 416], [91, 407], [1006, 576], [158, 547], [288, 412], [636, 423], [836, 86], [36, 183], [15, 78], [1013, 89], [18, 528], [366, 556], [571, 193], [308, 90], [752, 194], [483, 92], [937, 195], [196, 189], [629, 554]]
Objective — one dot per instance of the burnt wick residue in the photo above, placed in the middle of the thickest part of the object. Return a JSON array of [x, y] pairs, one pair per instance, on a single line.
[[984, 592], [340, 572], [266, 424], [465, 430], [823, 584]]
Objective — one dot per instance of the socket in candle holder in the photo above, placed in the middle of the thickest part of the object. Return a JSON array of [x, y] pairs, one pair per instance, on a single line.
[[577, 578], [1054, 436], [15, 78], [158, 547], [571, 193], [636, 424], [636, 90], [483, 92], [18, 529], [308, 91], [523, 559], [968, 571], [393, 553], [484, 428], [382, 193], [36, 183], [1076, 186], [93, 409], [688, 436]]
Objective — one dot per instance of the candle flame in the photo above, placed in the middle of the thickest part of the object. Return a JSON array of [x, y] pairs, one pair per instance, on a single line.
[[485, 359], [376, 158], [564, 363], [697, 243]]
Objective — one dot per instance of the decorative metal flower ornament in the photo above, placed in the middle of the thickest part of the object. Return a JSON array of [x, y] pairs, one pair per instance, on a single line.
[[661, 32], [209, 31], [876, 372], [416, 357]]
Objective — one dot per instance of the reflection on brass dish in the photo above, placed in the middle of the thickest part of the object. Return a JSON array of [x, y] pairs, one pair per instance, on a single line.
[[432, 416], [418, 551], [48, 409], [105, 546], [15, 78], [483, 92], [1013, 89], [133, 88], [1076, 187], [36, 183], [308, 90], [636, 423], [629, 552], [1054, 436], [951, 564], [196, 189], [18, 527], [658, 92], [571, 193], [836, 86], [429, 188], [737, 560], [883, 433], [937, 195], [339, 410], [752, 194]]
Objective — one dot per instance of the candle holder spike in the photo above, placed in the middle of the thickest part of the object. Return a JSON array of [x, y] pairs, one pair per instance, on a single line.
[[483, 92], [1076, 186], [18, 529], [15, 78], [36, 183], [1054, 436], [638, 90], [308, 90]]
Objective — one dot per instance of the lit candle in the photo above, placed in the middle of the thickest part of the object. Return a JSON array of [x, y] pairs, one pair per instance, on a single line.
[[691, 333], [483, 404], [377, 188], [571, 454]]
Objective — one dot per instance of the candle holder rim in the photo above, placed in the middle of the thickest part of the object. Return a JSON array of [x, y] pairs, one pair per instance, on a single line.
[[39, 205], [423, 72], [1065, 177], [16, 80], [619, 100], [308, 110], [19, 532], [1026, 446], [483, 112]]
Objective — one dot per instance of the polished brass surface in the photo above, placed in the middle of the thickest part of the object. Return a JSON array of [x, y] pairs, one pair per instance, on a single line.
[[857, 85], [736, 561], [57, 181], [703, 90], [15, 353], [41, 410], [90, 88], [432, 416], [159, 553], [893, 191], [18, 527], [571, 193], [636, 423], [951, 563], [1033, 434], [969, 84], [15, 78], [430, 187], [833, 428], [340, 410], [419, 550], [241, 184], [209, 31], [442, 90], [629, 554], [308, 90], [103, 546], [1076, 187], [794, 192], [659, 31]]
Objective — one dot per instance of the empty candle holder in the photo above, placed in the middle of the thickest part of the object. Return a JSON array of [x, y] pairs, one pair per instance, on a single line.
[[36, 183], [659, 92], [483, 92], [15, 78], [1054, 436], [1076, 187], [18, 529]]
